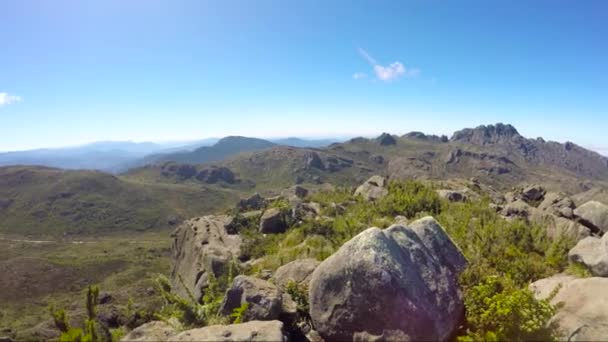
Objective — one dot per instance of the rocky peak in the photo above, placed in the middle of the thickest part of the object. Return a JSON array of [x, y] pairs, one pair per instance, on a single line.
[[483, 135]]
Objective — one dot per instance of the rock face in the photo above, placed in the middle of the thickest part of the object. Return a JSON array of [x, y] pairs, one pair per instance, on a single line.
[[263, 297], [400, 282], [255, 202], [152, 331], [386, 139], [593, 253], [584, 315], [299, 271], [201, 246], [373, 189], [273, 221], [212, 175], [271, 331], [533, 193], [594, 215]]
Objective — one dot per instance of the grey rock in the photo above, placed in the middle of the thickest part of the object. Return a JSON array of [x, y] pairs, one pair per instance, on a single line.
[[405, 278], [313, 160], [269, 331], [299, 271], [518, 208], [373, 189], [295, 193], [593, 253], [152, 331], [533, 193], [594, 215], [273, 221], [263, 297], [202, 246], [255, 202], [386, 139], [583, 314], [452, 195]]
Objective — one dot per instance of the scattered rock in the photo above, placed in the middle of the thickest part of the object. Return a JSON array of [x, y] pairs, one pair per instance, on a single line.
[[533, 193], [583, 315], [593, 253], [452, 195], [373, 189], [273, 221], [386, 139], [105, 298], [268, 331], [594, 215], [255, 202], [202, 245], [152, 331], [263, 297], [518, 208], [405, 278], [299, 271]]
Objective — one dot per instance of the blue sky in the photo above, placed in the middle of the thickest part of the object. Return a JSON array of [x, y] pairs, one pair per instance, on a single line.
[[78, 71]]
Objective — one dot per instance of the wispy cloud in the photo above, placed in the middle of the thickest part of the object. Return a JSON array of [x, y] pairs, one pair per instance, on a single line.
[[6, 99], [359, 75], [387, 73]]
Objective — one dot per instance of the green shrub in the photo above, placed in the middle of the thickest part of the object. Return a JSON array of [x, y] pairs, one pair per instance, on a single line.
[[238, 313], [90, 332], [497, 310]]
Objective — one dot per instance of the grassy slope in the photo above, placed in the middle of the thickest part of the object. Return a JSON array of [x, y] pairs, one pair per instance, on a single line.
[[40, 274], [51, 202]]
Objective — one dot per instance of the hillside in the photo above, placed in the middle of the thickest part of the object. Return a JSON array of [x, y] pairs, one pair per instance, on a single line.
[[223, 149], [45, 201]]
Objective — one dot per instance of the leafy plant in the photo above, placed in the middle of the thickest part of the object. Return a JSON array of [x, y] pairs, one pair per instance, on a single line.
[[238, 313], [90, 331]]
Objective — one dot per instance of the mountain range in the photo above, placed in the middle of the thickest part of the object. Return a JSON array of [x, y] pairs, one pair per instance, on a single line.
[[173, 186]]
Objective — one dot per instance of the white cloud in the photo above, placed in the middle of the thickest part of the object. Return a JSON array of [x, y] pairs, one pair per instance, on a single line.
[[390, 72], [6, 99], [359, 75]]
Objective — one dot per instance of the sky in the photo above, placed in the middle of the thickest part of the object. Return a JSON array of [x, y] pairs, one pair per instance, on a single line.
[[73, 72]]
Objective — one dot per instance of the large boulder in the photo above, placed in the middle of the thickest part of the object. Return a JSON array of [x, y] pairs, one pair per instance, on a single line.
[[558, 204], [386, 139], [594, 215], [373, 189], [558, 226], [533, 193], [401, 282], [517, 209], [583, 312], [254, 202], [593, 253], [294, 194], [299, 271], [263, 298], [202, 246], [269, 331], [273, 221], [152, 332]]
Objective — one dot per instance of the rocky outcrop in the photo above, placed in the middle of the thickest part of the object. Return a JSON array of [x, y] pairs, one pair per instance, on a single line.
[[373, 189], [202, 246], [558, 204], [405, 278], [273, 221], [533, 193], [263, 298], [295, 194], [269, 331], [594, 215], [212, 175], [314, 161], [151, 332], [255, 202], [386, 139], [483, 135], [299, 271], [593, 253], [583, 312]]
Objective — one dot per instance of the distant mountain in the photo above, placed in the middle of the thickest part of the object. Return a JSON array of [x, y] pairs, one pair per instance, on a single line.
[[297, 142], [224, 148], [109, 156]]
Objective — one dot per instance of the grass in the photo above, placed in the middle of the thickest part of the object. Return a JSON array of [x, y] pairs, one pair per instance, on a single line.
[[58, 273], [51, 202]]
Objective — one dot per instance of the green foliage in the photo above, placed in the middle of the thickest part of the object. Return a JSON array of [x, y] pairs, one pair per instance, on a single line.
[[497, 310], [117, 334], [90, 332], [409, 198], [279, 203], [299, 294], [578, 270], [238, 313]]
